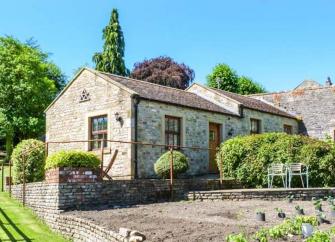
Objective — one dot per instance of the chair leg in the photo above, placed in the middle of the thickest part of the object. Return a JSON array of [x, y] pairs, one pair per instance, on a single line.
[[289, 180], [302, 181], [307, 180]]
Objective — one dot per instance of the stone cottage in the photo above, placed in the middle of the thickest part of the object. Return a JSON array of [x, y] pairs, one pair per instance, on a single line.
[[97, 105]]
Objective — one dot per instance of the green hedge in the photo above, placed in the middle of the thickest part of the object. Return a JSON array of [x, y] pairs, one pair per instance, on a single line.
[[162, 165], [30, 154], [73, 159], [247, 158]]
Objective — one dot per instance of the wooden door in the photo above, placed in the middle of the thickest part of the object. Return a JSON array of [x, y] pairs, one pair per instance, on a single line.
[[214, 142]]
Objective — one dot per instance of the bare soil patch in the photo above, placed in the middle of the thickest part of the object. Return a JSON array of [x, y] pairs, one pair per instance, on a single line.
[[198, 221]]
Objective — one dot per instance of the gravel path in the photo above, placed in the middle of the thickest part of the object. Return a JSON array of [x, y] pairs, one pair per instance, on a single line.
[[197, 221]]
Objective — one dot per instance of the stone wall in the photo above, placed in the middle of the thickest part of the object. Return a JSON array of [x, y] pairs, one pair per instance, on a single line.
[[43, 197], [68, 119], [78, 229], [262, 194], [213, 97], [315, 106], [194, 132]]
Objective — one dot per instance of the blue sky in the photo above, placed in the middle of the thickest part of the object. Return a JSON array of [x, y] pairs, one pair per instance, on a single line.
[[278, 43]]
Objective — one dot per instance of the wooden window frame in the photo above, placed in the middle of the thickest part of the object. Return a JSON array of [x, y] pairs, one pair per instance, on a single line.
[[104, 132], [259, 126], [289, 127], [169, 132]]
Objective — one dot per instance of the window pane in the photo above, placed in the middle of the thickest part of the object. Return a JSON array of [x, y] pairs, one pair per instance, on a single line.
[[177, 125], [211, 135], [104, 123], [175, 140]]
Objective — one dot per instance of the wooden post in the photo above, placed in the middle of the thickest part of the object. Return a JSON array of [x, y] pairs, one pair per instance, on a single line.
[[102, 158], [24, 181], [2, 176], [171, 173], [10, 178], [221, 167]]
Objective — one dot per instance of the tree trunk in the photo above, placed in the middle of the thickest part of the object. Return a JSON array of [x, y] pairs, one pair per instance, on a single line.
[[9, 145]]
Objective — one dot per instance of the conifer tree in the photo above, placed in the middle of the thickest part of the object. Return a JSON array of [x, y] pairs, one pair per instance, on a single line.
[[111, 58]]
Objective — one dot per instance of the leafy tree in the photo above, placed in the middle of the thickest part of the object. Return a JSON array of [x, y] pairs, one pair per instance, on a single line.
[[164, 71], [28, 83], [6, 132], [247, 86], [55, 74], [111, 58], [225, 78]]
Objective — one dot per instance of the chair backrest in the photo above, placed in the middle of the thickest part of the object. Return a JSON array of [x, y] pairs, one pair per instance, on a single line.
[[277, 168], [295, 167]]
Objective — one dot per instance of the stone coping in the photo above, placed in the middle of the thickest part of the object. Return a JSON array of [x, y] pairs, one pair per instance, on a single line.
[[246, 190], [263, 194]]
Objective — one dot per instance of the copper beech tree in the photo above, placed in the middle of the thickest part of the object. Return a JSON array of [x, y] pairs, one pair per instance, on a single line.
[[164, 71]]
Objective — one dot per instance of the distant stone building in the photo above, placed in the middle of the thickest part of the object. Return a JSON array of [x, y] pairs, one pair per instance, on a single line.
[[314, 105], [96, 105]]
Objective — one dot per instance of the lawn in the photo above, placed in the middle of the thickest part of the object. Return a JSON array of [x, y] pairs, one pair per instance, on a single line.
[[18, 223]]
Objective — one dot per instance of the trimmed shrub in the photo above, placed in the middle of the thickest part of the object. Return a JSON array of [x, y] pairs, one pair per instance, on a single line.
[[30, 154], [247, 158], [162, 165], [72, 158]]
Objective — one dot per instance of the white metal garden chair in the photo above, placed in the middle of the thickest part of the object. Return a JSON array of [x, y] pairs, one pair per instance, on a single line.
[[277, 169], [297, 169]]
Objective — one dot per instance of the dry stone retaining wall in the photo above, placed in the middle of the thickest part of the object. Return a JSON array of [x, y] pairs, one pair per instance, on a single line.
[[49, 200], [67, 196]]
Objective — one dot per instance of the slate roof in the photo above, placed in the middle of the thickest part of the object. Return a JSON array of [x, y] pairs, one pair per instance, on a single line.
[[165, 94], [255, 104]]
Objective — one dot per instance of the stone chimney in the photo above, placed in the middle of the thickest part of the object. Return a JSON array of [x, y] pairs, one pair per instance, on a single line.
[[328, 82]]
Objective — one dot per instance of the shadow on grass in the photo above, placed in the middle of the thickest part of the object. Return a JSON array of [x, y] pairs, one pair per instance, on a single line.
[[11, 223]]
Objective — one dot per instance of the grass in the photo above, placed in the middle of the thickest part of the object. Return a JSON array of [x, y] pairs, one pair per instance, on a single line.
[[18, 223]]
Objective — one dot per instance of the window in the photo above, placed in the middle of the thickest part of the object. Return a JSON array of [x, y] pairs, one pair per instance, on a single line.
[[98, 131], [172, 131], [211, 135], [287, 129], [255, 126]]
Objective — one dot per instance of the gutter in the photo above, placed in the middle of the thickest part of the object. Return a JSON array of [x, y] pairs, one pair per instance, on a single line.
[[136, 100]]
